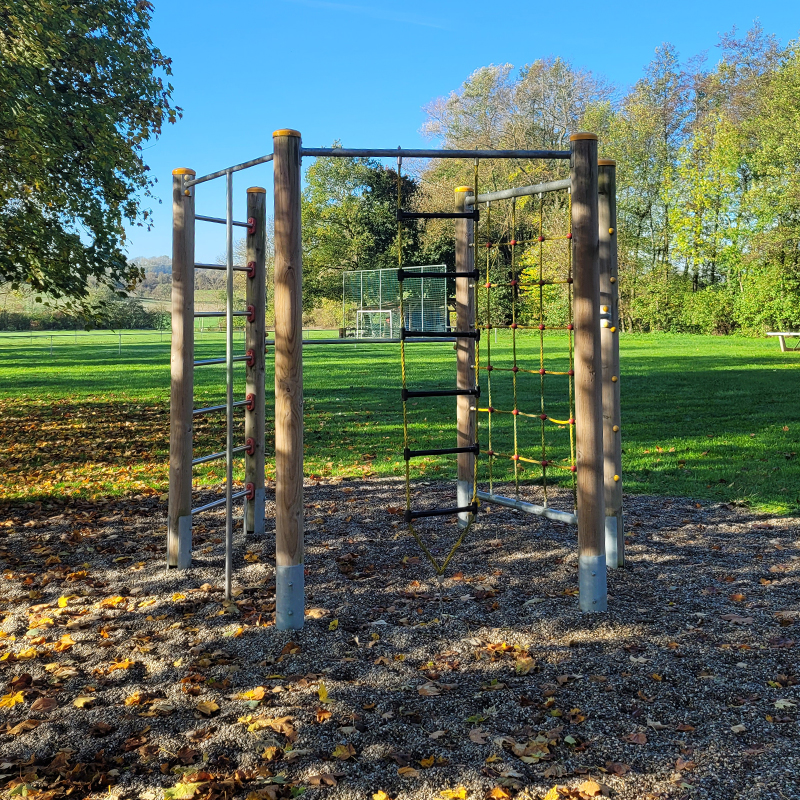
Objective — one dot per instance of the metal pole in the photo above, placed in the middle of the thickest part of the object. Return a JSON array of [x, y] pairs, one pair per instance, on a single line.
[[465, 354], [588, 367], [179, 527], [609, 338], [229, 390], [289, 570], [255, 336]]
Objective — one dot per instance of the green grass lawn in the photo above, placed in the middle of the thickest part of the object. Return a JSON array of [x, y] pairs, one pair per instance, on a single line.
[[713, 418]]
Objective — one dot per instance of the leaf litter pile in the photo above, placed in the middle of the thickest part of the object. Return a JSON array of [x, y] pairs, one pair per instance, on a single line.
[[124, 680]]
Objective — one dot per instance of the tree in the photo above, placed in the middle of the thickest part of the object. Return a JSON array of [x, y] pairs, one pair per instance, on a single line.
[[349, 222], [81, 90]]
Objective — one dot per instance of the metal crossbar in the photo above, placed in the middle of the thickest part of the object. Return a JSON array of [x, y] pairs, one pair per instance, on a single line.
[[220, 502], [228, 170], [399, 152], [215, 456], [221, 221], [213, 409]]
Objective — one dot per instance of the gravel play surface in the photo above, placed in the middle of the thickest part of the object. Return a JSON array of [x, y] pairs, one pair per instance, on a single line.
[[123, 680]]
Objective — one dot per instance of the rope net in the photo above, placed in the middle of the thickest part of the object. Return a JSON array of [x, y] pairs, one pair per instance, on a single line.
[[539, 281]]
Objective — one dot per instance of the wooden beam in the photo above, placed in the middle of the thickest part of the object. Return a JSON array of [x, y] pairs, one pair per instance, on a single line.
[[289, 578], [465, 353], [179, 514], [588, 388], [609, 342]]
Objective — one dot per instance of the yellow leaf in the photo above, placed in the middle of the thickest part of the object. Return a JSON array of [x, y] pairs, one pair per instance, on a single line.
[[64, 643], [11, 699], [83, 702], [207, 708], [124, 664], [381, 795], [427, 762], [499, 793], [323, 693], [454, 794], [178, 596], [64, 600], [29, 652], [553, 794], [253, 694], [333, 624], [112, 602], [146, 603]]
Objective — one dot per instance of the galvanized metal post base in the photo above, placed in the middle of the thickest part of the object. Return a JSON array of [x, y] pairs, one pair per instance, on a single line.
[[592, 583], [463, 498], [289, 597], [183, 558], [612, 554], [255, 513]]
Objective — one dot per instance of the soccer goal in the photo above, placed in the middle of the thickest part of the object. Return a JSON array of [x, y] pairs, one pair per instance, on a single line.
[[371, 302]]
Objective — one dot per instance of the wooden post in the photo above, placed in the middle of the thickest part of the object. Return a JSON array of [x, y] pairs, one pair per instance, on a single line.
[[179, 524], [255, 336], [465, 353], [588, 388], [609, 342], [289, 579]]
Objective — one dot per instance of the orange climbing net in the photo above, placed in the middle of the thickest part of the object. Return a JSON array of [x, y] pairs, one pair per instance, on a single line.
[[526, 284]]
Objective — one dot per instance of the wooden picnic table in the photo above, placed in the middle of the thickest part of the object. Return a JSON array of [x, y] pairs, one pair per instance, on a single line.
[[782, 339]]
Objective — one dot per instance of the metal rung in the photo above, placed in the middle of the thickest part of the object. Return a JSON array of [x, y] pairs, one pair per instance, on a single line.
[[440, 512], [212, 409], [404, 274], [206, 361], [401, 215], [221, 266], [220, 502], [442, 451], [406, 334], [220, 221], [406, 393], [214, 456]]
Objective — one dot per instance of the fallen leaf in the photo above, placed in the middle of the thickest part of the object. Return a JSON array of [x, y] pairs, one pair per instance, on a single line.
[[408, 772], [207, 708], [11, 699], [381, 795], [591, 788], [478, 735], [738, 728], [454, 794], [343, 752], [635, 738], [83, 702], [24, 727], [44, 704], [323, 693]]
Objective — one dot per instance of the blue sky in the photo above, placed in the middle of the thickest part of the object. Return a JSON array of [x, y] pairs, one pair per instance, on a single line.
[[361, 72]]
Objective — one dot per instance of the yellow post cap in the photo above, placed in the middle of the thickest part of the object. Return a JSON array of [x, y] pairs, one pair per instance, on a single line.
[[286, 132], [606, 162], [256, 190], [183, 171], [577, 137], [463, 188]]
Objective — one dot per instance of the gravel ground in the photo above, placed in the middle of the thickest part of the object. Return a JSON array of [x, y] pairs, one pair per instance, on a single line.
[[124, 680]]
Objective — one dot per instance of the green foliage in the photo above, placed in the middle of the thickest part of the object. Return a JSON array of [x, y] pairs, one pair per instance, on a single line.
[[708, 176], [81, 90], [349, 222]]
